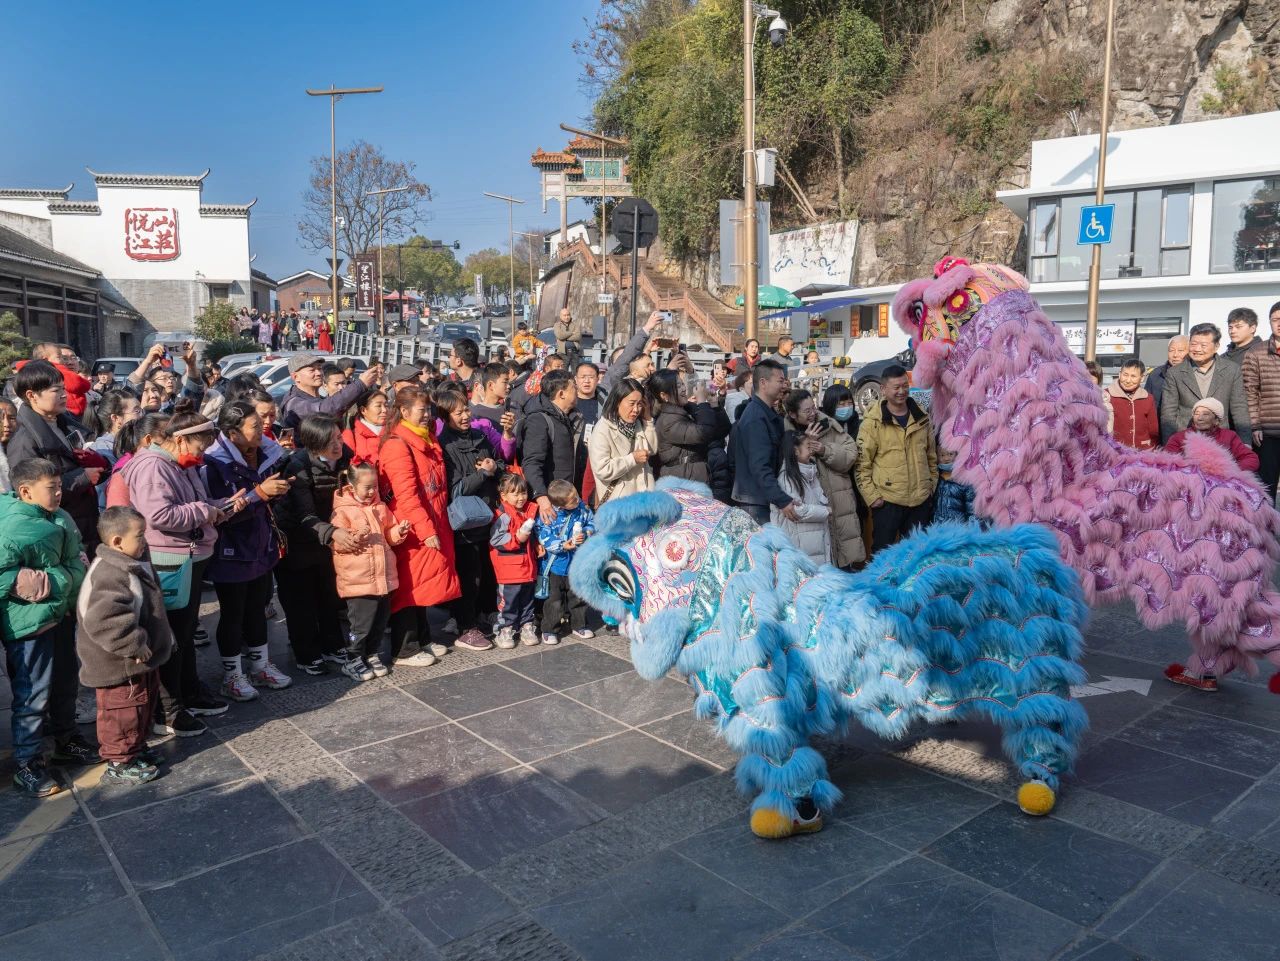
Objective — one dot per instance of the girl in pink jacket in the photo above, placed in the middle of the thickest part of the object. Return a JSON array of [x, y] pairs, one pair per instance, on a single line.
[[367, 576]]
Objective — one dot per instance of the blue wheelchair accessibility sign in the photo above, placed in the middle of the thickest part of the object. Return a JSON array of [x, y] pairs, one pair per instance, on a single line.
[[1095, 224]]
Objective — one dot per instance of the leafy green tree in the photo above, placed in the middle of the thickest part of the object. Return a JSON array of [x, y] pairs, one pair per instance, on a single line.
[[494, 265], [13, 346], [433, 270], [217, 321]]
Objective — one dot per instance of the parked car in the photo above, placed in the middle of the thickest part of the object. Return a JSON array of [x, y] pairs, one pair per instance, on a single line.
[[450, 333], [233, 364], [867, 378]]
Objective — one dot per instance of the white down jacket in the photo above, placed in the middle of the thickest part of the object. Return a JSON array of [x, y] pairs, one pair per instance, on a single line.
[[812, 532]]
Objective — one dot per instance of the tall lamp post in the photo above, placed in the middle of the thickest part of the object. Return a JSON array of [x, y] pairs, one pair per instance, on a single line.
[[382, 307], [1095, 266], [511, 247], [752, 14], [530, 235], [335, 94]]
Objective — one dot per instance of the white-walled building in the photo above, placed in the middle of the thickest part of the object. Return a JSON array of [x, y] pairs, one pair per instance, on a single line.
[[158, 247], [1196, 231]]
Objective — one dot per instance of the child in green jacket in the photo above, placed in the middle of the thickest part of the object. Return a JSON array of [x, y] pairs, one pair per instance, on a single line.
[[42, 564]]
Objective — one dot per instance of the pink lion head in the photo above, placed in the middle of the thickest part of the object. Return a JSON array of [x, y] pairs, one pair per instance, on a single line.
[[932, 311]]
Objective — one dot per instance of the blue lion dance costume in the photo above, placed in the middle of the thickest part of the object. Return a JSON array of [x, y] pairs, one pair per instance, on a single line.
[[951, 623]]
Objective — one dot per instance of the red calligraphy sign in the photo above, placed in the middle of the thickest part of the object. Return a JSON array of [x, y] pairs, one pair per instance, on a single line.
[[151, 233]]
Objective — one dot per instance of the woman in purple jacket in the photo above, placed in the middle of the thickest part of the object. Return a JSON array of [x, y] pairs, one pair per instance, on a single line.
[[164, 485], [243, 463]]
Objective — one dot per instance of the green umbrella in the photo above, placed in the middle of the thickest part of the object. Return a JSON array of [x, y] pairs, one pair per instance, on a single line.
[[772, 297]]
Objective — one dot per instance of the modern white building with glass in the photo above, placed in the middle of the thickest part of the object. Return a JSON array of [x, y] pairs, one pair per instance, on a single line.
[[1196, 230]]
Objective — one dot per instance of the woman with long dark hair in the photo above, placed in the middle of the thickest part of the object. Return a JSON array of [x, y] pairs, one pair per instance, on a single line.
[[686, 431], [411, 467], [244, 464], [623, 443]]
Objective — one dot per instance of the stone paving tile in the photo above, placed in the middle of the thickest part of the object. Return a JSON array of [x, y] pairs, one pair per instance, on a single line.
[[307, 693], [1238, 861], [620, 772], [515, 939], [271, 744], [920, 911], [189, 767], [1254, 817], [568, 666], [162, 842], [112, 930], [1095, 949], [1043, 861], [687, 810], [475, 691], [1180, 788], [384, 936], [536, 729], [426, 763], [1182, 913], [1244, 702], [355, 722], [627, 916], [1109, 713], [496, 817], [1127, 822], [21, 817], [902, 804], [257, 905], [457, 909], [633, 700], [391, 855], [695, 736], [797, 877], [1243, 748], [49, 876], [990, 775], [323, 793], [799, 944]]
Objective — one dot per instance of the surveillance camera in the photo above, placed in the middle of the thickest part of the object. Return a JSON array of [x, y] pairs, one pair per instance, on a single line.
[[778, 30]]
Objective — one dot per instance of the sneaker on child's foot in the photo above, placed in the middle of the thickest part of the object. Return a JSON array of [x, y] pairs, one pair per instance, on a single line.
[[375, 664], [314, 668], [585, 633], [357, 670], [181, 724], [136, 771], [505, 639], [474, 640], [238, 688], [74, 750], [204, 705], [339, 658], [87, 708], [421, 659], [270, 677], [439, 650], [201, 638], [150, 755], [529, 636], [32, 779], [550, 639]]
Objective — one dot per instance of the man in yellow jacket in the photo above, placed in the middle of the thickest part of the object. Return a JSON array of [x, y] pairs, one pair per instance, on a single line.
[[897, 467], [523, 344]]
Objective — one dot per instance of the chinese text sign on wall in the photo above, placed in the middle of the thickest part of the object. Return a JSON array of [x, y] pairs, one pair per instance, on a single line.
[[151, 233]]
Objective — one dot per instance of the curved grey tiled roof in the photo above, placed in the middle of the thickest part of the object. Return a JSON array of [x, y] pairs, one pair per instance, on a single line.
[[147, 180], [74, 207], [227, 210], [35, 193], [22, 247]]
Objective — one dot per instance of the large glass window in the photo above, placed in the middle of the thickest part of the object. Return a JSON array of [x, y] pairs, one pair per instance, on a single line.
[[1246, 225], [1150, 236]]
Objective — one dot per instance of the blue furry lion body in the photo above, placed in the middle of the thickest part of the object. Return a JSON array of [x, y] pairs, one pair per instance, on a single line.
[[953, 622]]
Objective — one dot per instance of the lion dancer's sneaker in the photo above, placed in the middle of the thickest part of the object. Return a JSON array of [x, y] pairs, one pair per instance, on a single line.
[[772, 824], [1180, 675]]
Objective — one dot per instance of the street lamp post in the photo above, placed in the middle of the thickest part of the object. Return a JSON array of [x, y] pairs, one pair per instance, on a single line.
[[1095, 266], [382, 307], [335, 94], [511, 248], [526, 233]]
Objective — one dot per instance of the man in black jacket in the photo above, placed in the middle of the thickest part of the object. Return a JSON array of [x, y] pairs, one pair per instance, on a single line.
[[1155, 380], [551, 440], [755, 447]]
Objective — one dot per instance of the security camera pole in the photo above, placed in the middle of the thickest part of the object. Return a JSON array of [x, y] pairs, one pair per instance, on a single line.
[[334, 95], [752, 13]]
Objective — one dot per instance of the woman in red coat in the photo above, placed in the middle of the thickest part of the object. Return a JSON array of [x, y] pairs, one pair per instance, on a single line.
[[365, 433], [411, 467], [1136, 422]]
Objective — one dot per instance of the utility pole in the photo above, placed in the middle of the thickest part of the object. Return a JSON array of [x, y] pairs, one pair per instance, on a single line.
[[751, 264], [335, 94], [382, 307], [530, 236], [511, 248], [1095, 266]]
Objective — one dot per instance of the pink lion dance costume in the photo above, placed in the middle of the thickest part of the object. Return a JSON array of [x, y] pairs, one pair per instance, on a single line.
[[1189, 538]]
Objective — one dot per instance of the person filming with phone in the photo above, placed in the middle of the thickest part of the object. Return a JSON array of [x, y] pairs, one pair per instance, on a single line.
[[304, 398]]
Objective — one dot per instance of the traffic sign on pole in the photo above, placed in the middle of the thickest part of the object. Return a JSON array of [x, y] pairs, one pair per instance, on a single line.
[[1095, 224]]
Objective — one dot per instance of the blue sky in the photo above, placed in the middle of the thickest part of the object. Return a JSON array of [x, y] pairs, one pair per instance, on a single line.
[[471, 89]]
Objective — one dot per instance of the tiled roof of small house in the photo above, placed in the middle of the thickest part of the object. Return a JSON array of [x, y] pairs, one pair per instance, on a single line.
[[35, 193], [147, 180]]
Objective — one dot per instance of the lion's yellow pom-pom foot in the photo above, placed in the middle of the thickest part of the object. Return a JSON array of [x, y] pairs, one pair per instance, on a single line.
[[1036, 797], [771, 823]]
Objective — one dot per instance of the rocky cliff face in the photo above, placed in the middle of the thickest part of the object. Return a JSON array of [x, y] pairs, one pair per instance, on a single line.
[[990, 77]]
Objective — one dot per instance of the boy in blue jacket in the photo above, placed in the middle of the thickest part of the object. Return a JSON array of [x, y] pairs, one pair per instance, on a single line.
[[42, 565], [573, 523]]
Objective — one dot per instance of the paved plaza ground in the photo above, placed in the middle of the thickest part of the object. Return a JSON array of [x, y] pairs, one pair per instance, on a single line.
[[548, 804]]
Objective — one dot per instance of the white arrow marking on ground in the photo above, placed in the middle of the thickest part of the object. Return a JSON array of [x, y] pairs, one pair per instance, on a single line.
[[1111, 685]]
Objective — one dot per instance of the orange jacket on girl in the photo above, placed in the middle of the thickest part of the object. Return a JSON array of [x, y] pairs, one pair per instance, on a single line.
[[371, 572]]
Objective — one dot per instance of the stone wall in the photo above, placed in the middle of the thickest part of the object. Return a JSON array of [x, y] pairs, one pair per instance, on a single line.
[[172, 304]]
